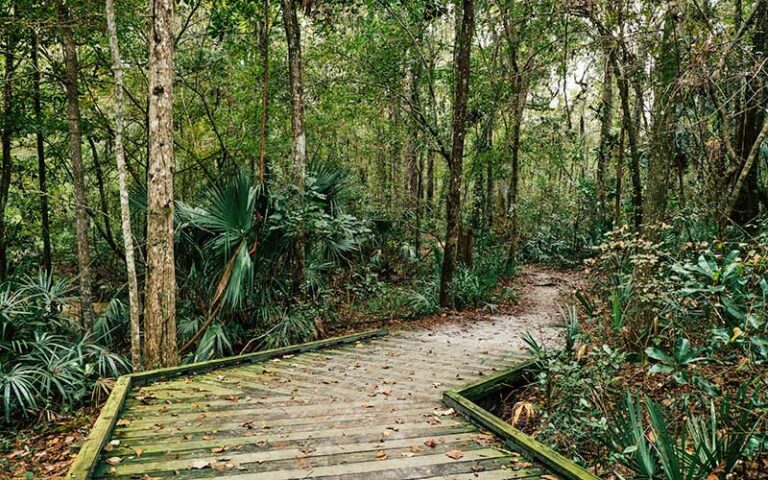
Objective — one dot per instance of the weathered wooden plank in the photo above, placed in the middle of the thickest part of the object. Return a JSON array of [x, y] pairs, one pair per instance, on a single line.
[[279, 404], [380, 467], [517, 439], [447, 360], [274, 459], [277, 417], [447, 469], [391, 370], [500, 474], [300, 424], [85, 462], [222, 439], [144, 377], [515, 376], [88, 456]]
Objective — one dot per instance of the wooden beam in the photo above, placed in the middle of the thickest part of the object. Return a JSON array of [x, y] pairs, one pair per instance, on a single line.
[[463, 402], [512, 377], [88, 457]]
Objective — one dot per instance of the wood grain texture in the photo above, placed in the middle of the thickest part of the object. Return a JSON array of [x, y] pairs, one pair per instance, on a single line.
[[361, 408]]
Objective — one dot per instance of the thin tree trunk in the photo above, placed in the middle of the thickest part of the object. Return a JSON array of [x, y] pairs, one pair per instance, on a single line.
[[662, 134], [45, 231], [604, 150], [293, 38], [490, 194], [743, 204], [134, 301], [411, 149], [160, 349], [264, 50], [521, 95], [78, 173], [419, 189], [430, 195], [619, 179], [464, 36], [634, 153], [105, 215], [9, 77]]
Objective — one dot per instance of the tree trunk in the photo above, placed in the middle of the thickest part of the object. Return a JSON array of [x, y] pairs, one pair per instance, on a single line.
[[160, 349], [411, 149], [9, 123], [78, 174], [619, 179], [264, 50], [430, 189], [103, 203], [464, 36], [743, 205], [604, 149], [293, 38], [419, 207], [45, 231], [520, 83], [663, 138], [631, 132], [134, 301]]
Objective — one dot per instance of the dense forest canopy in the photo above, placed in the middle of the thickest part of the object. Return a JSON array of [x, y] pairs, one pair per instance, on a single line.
[[191, 179]]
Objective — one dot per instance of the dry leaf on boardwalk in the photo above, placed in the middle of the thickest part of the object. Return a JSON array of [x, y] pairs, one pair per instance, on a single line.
[[454, 454]]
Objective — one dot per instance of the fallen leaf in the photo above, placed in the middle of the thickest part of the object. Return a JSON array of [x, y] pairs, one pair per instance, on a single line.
[[123, 422], [444, 413], [139, 452], [454, 454], [114, 460], [431, 443], [381, 455], [199, 464]]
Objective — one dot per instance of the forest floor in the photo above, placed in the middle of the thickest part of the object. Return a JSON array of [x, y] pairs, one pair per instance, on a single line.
[[46, 451]]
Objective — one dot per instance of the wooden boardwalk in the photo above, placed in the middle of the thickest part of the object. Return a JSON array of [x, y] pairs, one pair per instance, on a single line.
[[371, 410]]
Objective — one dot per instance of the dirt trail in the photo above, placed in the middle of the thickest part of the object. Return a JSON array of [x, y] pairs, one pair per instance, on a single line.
[[542, 292]]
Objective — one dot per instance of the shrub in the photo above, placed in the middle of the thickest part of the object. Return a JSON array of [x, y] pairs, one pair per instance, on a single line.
[[46, 363]]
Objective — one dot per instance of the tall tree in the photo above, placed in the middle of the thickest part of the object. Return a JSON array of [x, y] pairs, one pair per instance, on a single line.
[[662, 150], [299, 139], [743, 203], [45, 231], [125, 209], [464, 36], [160, 349], [78, 174], [604, 148], [264, 51], [519, 79], [9, 122]]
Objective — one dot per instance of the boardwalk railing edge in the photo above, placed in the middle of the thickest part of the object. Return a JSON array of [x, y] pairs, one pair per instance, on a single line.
[[463, 402], [88, 456]]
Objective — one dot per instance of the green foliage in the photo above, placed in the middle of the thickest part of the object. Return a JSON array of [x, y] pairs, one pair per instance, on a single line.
[[296, 325], [706, 444], [243, 237], [575, 389], [46, 364]]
